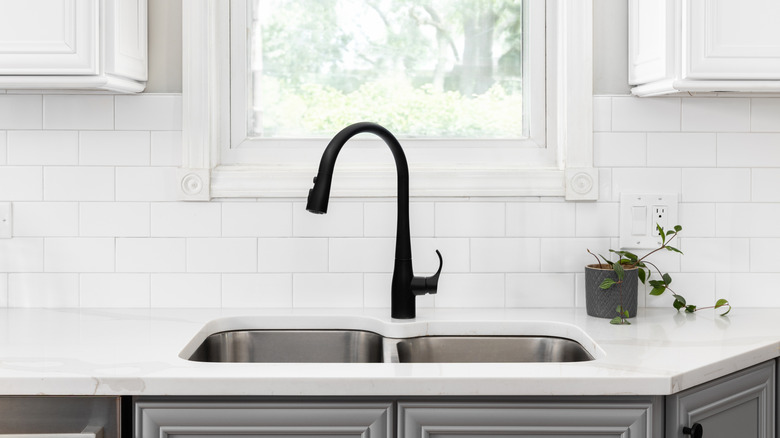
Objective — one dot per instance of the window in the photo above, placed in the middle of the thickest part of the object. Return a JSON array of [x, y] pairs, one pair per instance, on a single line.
[[249, 129]]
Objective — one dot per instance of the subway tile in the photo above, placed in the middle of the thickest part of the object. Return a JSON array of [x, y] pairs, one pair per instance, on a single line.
[[504, 255], [78, 254], [602, 113], [715, 255], [681, 149], [763, 254], [21, 254], [292, 255], [186, 219], [185, 290], [540, 290], [257, 290], [328, 290], [361, 255], [78, 111], [470, 219], [344, 219], [454, 252], [698, 289], [114, 219], [645, 114], [381, 217], [764, 185], [747, 220], [43, 290], [765, 114], [44, 148], [570, 255], [715, 185], [377, 289], [3, 290], [748, 150], [605, 185], [748, 290], [598, 219], [543, 219], [697, 220], [78, 183], [257, 219], [45, 219], [232, 254], [114, 290], [152, 112], [716, 114], [471, 291], [3, 148], [150, 255], [146, 184], [19, 111], [21, 183], [166, 148], [619, 149], [641, 180], [114, 148]]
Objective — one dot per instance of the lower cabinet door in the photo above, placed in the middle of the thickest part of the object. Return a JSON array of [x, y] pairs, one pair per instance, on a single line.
[[544, 418], [740, 405], [202, 419]]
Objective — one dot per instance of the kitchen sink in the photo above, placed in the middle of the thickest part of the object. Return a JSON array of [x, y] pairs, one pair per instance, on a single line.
[[472, 349], [358, 346]]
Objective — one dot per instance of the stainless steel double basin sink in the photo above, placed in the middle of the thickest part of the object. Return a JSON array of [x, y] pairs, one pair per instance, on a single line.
[[359, 346]]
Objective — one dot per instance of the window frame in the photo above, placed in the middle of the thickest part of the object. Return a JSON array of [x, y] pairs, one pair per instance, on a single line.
[[563, 168]]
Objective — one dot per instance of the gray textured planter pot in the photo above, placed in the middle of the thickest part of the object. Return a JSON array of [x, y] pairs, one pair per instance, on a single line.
[[603, 303]]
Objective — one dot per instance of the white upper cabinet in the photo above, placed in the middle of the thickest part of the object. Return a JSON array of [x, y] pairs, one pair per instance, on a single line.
[[73, 45], [694, 46]]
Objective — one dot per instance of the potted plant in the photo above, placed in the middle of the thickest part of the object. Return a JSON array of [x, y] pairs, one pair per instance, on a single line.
[[611, 287]]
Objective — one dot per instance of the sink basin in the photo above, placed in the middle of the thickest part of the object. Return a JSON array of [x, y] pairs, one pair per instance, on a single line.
[[344, 346], [472, 349]]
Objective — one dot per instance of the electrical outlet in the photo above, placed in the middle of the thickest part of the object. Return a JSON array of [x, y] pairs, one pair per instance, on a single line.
[[660, 216], [639, 215]]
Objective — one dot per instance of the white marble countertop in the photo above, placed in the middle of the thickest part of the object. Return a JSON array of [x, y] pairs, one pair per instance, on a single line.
[[137, 352]]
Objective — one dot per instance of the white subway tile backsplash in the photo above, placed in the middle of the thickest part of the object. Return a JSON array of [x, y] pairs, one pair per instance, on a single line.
[[470, 219], [185, 290], [328, 290], [114, 148], [698, 289], [380, 219], [3, 148], [78, 111], [619, 149], [146, 184], [598, 219], [3, 290], [454, 251], [78, 254], [765, 115], [186, 219], [47, 148], [763, 254], [602, 113], [715, 185], [546, 219], [377, 289], [21, 183], [45, 219], [150, 255], [114, 219], [292, 255], [166, 148], [706, 114], [471, 291], [148, 112], [344, 219], [257, 219], [764, 185], [43, 290], [540, 290], [697, 220], [748, 290], [114, 290], [257, 290], [681, 149], [504, 255], [19, 111], [21, 254], [361, 255], [645, 114], [571, 255], [641, 180], [78, 183], [749, 150], [747, 220], [715, 255], [230, 254]]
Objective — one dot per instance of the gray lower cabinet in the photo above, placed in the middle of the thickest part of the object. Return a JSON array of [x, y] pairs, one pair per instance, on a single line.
[[740, 405]]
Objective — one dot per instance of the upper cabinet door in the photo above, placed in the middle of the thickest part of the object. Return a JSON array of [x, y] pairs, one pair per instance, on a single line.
[[45, 37], [734, 39]]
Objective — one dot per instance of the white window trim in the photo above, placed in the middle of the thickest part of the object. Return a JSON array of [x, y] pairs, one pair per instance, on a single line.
[[568, 170]]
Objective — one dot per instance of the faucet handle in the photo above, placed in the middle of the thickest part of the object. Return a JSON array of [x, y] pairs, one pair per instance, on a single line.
[[428, 285]]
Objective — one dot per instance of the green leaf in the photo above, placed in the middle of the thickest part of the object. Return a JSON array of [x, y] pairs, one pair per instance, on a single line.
[[657, 283], [631, 256], [621, 273], [616, 320], [641, 274], [690, 308], [606, 260], [677, 228], [667, 279], [657, 290], [661, 232], [625, 313], [619, 309], [679, 302], [721, 302], [607, 283]]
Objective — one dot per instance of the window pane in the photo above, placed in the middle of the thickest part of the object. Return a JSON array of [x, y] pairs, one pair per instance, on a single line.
[[422, 68]]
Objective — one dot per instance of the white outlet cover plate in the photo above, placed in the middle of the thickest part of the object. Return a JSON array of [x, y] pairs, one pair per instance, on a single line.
[[646, 238]]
